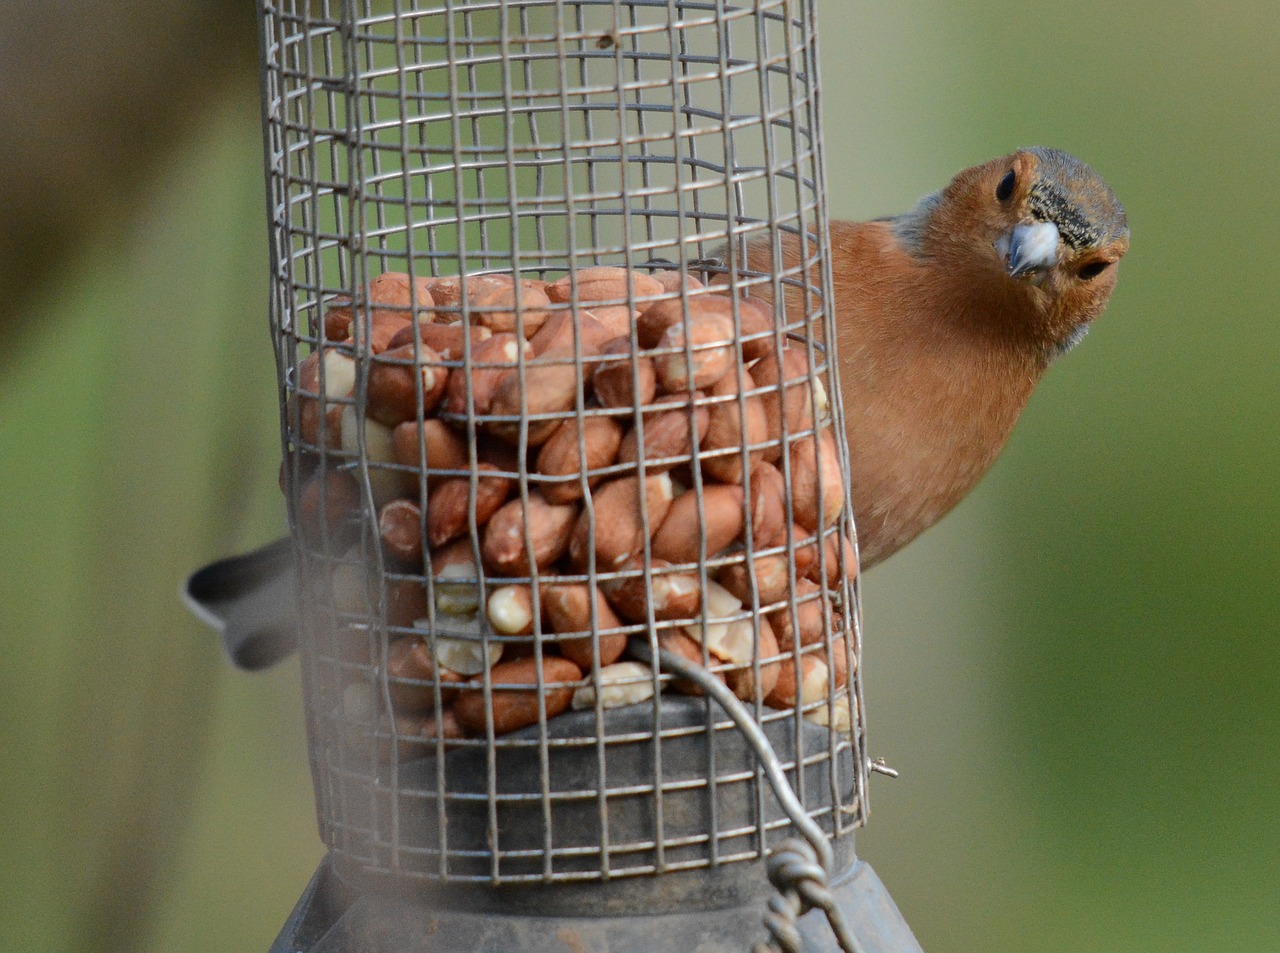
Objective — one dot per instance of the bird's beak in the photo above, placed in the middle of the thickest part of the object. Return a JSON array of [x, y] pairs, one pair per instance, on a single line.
[[1029, 248]]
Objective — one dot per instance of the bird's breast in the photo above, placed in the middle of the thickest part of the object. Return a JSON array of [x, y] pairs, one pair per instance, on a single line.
[[929, 400]]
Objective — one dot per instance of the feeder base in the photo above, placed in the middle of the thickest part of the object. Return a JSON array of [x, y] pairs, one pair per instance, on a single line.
[[331, 918]]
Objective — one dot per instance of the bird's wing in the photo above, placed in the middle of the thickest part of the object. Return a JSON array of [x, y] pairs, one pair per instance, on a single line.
[[251, 601]]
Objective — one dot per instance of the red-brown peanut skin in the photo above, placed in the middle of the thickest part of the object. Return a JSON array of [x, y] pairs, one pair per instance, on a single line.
[[547, 388], [615, 320], [395, 288], [618, 384], [695, 355], [809, 612], [444, 448], [670, 595], [383, 327], [655, 320], [417, 735], [557, 334], [668, 437], [448, 728], [678, 643], [833, 569], [391, 288], [560, 456], [514, 529], [768, 491], [815, 472], [754, 329], [337, 320], [392, 391], [804, 548], [447, 290], [490, 363], [772, 576], [741, 681], [619, 524], [447, 340], [400, 529], [786, 690], [518, 707], [581, 651], [729, 428], [450, 503], [838, 661], [603, 283], [309, 400], [568, 610], [787, 395], [672, 280], [678, 539], [495, 308], [327, 499], [406, 602], [409, 662]]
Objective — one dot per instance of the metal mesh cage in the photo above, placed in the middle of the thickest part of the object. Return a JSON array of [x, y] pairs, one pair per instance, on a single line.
[[541, 396]]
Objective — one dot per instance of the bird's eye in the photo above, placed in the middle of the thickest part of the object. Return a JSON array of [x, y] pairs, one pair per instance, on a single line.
[[1093, 269], [1005, 188]]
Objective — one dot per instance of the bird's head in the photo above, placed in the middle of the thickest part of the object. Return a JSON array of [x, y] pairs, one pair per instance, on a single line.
[[1039, 227]]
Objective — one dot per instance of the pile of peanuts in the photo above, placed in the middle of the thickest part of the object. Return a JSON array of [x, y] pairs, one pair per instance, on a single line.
[[579, 437]]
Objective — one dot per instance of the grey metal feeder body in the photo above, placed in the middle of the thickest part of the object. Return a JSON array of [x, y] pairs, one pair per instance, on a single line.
[[536, 139]]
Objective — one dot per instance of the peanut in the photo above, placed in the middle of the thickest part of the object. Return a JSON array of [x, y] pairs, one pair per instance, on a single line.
[[603, 283], [448, 291], [734, 421], [621, 510], [696, 354], [510, 307], [441, 449], [568, 607], [668, 437], [670, 595], [817, 483], [809, 606], [516, 700], [679, 539], [619, 684], [811, 687], [447, 340], [400, 529], [617, 383], [514, 532], [490, 363], [510, 609], [412, 676], [560, 455], [393, 391], [452, 502], [561, 330], [550, 388]]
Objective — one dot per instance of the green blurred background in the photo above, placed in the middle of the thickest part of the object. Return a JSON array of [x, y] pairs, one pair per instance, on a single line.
[[1076, 673]]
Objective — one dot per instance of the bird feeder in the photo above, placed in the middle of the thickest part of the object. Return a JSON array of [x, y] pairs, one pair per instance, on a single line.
[[566, 473]]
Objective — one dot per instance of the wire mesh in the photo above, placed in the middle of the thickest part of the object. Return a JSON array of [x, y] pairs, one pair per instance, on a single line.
[[538, 382]]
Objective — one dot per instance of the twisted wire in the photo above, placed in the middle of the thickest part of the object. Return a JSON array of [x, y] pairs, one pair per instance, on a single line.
[[798, 866], [801, 884]]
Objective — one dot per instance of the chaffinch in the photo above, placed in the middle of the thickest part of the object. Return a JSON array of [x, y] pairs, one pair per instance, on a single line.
[[947, 316]]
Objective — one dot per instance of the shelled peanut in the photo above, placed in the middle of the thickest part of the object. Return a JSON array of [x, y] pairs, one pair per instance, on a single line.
[[614, 426]]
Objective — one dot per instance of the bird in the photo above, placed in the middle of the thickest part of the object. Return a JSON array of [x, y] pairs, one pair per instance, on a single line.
[[946, 317]]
